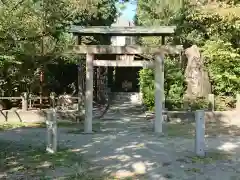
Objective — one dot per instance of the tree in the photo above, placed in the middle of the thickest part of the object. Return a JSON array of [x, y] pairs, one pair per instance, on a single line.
[[33, 33], [214, 32]]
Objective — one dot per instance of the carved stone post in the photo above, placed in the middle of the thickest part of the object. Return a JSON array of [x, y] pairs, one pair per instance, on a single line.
[[159, 93], [51, 123], [89, 94], [25, 101], [238, 102], [52, 97], [200, 133], [211, 102]]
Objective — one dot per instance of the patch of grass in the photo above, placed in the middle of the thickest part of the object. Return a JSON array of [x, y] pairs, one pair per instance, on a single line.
[[69, 124], [194, 170], [93, 176], [35, 161], [12, 125], [87, 177], [168, 176], [210, 157], [180, 130], [8, 126], [212, 129], [79, 128]]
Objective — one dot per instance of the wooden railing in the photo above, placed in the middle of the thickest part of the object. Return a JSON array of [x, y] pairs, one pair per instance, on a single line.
[[27, 101]]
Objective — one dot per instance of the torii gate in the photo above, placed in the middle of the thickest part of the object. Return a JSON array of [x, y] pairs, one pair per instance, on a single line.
[[123, 51]]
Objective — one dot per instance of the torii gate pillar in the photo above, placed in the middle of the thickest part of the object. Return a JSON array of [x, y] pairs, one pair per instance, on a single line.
[[89, 94]]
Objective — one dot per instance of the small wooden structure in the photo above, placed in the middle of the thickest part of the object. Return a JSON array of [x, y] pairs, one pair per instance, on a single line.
[[124, 52]]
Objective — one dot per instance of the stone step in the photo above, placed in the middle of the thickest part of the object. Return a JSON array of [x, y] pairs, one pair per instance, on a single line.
[[126, 97]]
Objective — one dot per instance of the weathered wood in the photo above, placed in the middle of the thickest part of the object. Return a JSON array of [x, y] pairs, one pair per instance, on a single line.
[[159, 91], [146, 64], [125, 57], [123, 31], [200, 133], [11, 98], [89, 94], [131, 49]]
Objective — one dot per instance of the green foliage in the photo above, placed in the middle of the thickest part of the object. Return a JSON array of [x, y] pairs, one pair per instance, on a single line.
[[146, 82], [198, 103], [223, 65], [33, 33], [173, 86], [224, 103], [216, 34], [195, 26], [155, 13]]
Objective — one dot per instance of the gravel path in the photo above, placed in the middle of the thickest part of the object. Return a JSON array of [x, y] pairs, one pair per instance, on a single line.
[[127, 146]]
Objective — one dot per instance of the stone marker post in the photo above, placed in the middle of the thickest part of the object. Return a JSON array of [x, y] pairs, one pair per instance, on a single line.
[[51, 123], [200, 133], [52, 97], [25, 101], [238, 102], [211, 102]]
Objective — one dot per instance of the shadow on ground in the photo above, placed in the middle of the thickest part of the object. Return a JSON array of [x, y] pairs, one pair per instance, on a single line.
[[121, 148]]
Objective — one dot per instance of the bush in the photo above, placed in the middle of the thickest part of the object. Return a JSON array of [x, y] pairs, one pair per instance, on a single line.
[[198, 103], [173, 85], [224, 103], [223, 63]]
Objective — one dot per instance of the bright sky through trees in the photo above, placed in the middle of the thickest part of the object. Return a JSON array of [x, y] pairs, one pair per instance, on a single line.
[[129, 11]]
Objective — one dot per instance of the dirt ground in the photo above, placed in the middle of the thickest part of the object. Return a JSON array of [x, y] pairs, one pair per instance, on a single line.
[[125, 148]]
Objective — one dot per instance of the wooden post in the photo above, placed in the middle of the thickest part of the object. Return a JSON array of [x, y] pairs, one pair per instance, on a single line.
[[211, 102], [24, 101], [51, 123], [200, 133], [80, 87], [89, 94], [162, 85], [159, 91], [80, 90], [238, 102], [163, 43]]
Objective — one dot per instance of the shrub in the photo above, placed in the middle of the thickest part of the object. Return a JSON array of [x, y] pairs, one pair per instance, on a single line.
[[173, 85]]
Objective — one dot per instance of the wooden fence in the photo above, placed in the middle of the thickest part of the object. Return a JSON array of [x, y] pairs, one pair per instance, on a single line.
[[27, 101]]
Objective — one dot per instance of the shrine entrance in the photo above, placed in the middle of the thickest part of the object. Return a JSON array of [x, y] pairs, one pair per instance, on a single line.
[[124, 63], [126, 79]]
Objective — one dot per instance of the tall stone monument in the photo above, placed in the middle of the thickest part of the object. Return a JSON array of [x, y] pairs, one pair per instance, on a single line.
[[197, 79]]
